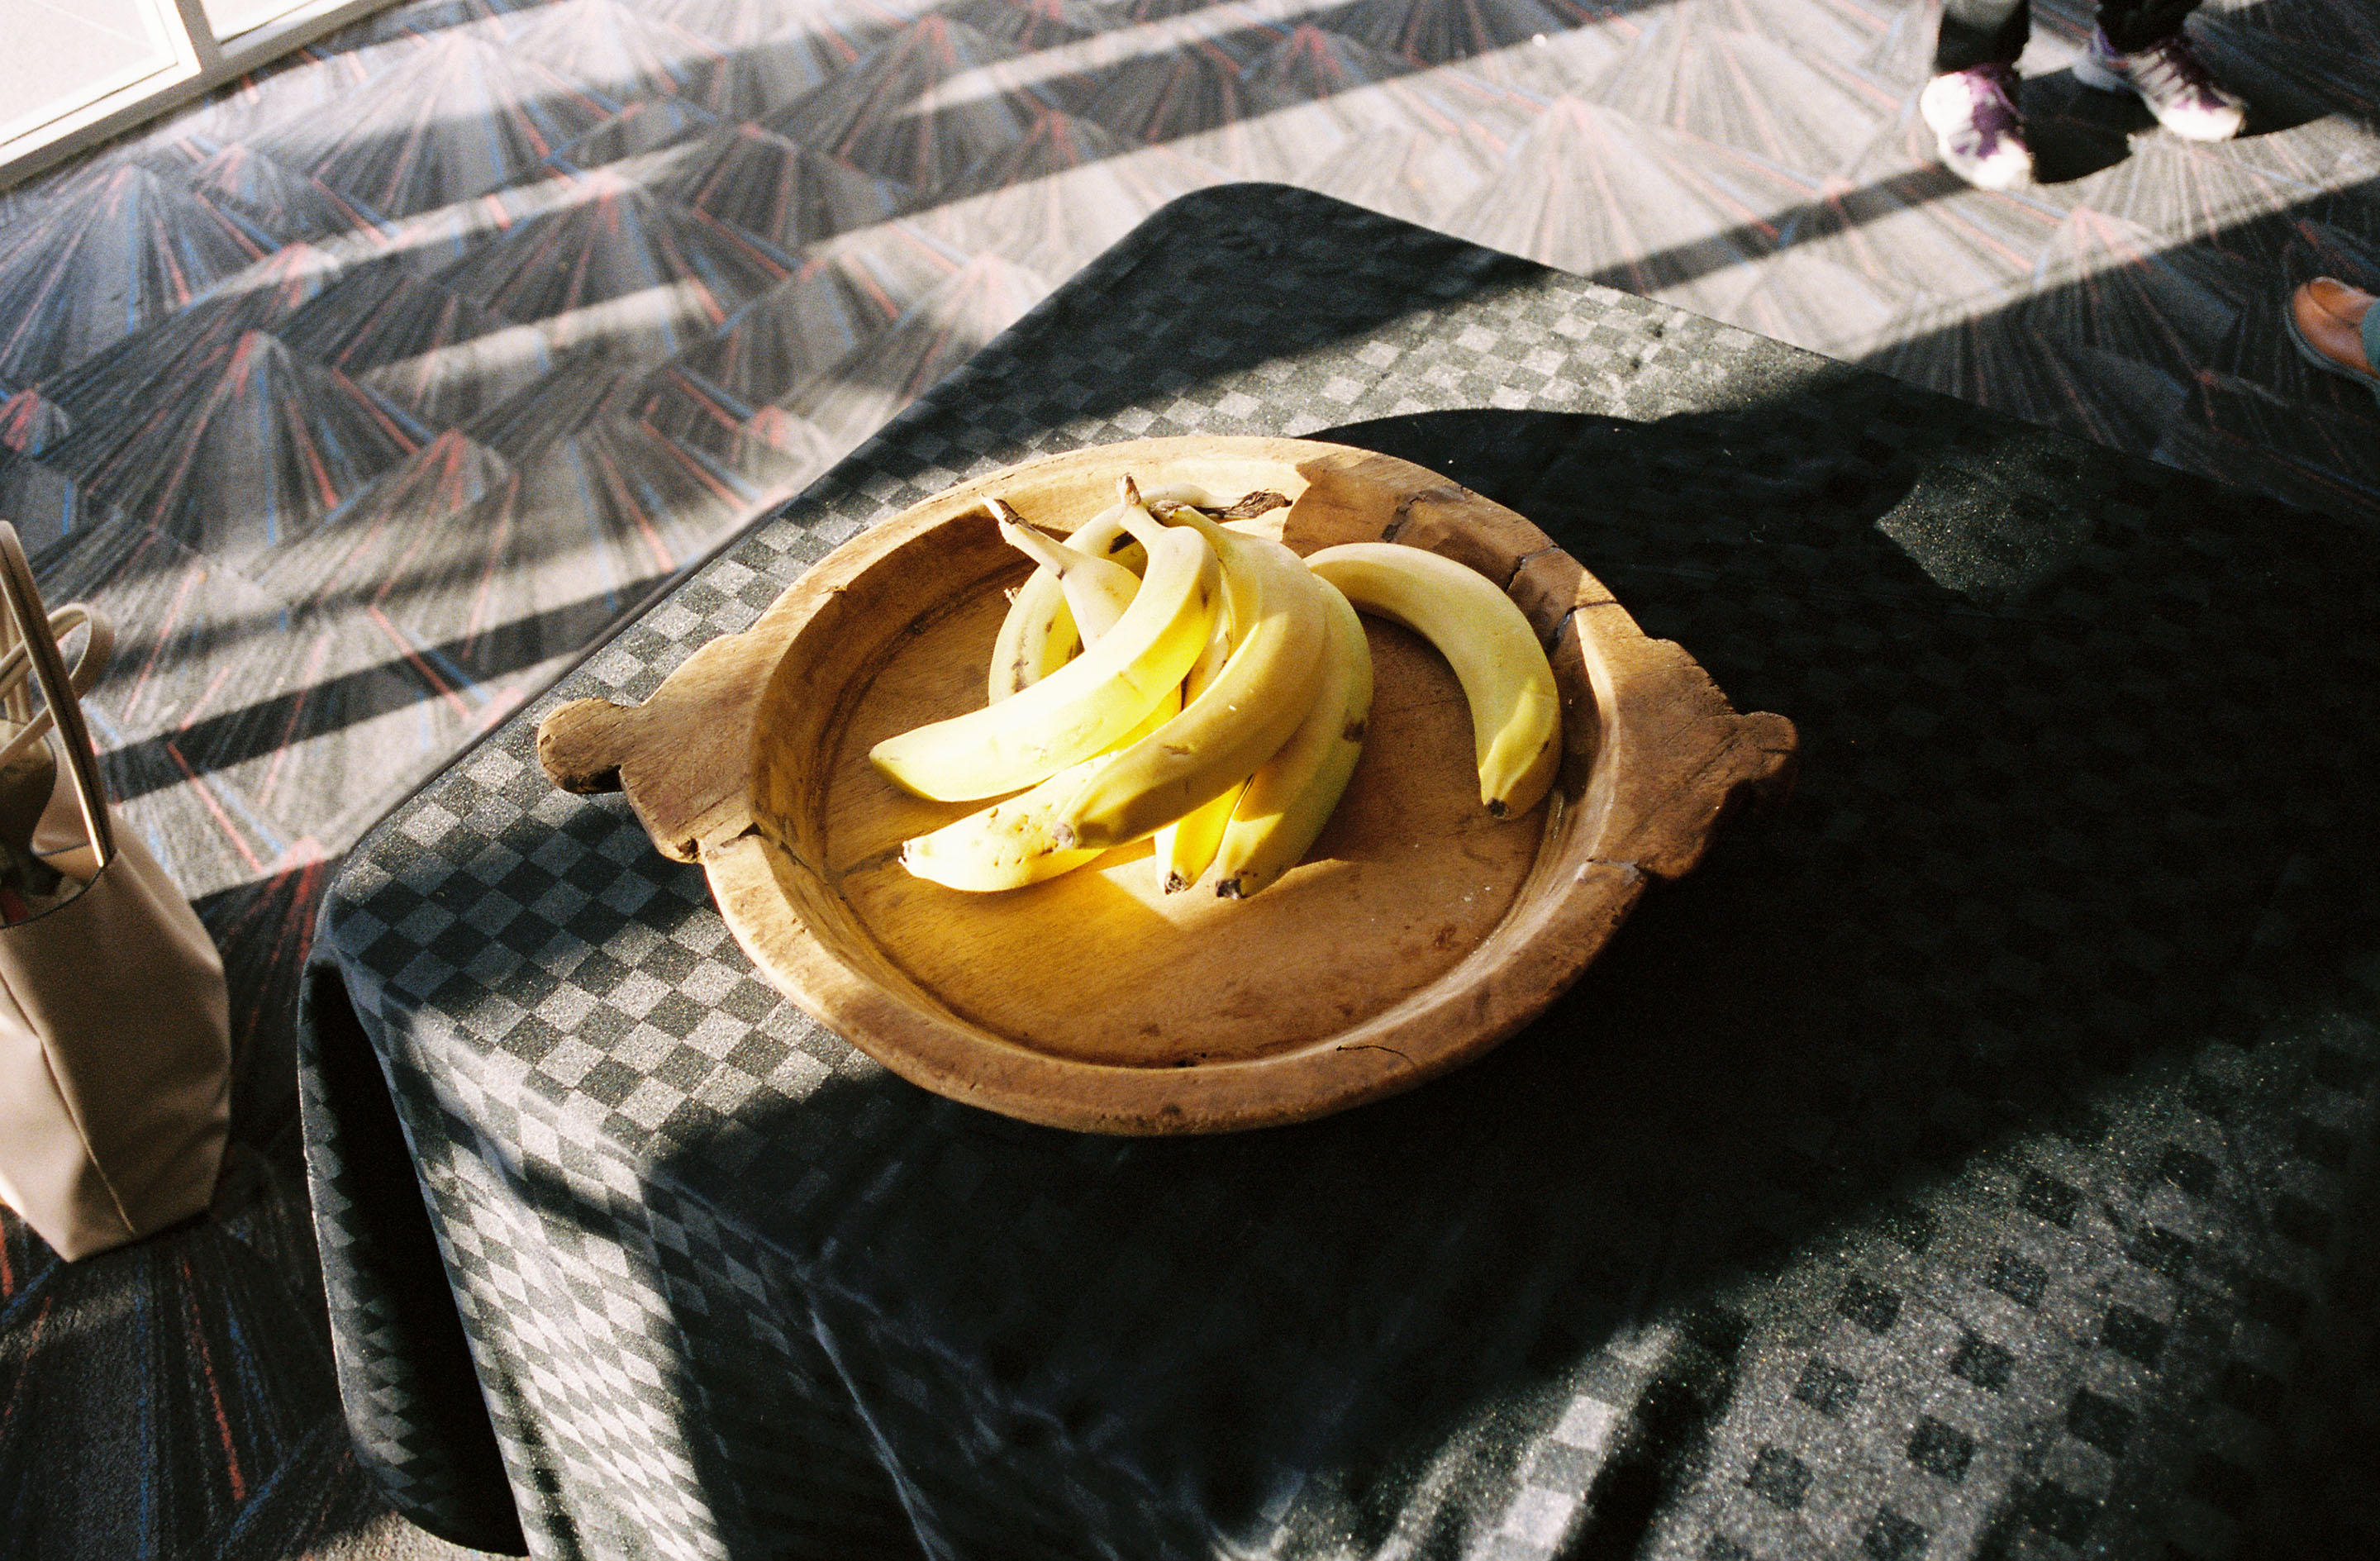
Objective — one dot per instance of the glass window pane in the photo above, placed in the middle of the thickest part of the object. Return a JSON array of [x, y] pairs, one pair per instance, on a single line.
[[64, 54], [231, 17]]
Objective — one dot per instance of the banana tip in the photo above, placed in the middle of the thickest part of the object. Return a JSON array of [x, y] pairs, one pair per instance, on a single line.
[[1229, 889], [1175, 883]]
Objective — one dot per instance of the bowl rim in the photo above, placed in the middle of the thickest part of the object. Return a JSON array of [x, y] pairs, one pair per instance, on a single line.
[[1666, 761]]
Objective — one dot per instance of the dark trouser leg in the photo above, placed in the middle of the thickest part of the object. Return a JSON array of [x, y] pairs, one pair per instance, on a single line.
[[2134, 25], [1988, 33]]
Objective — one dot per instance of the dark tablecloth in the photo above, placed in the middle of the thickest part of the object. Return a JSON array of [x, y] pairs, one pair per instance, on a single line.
[[1975, 1160]]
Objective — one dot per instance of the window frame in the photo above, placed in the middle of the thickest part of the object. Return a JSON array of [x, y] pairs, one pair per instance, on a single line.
[[200, 63]]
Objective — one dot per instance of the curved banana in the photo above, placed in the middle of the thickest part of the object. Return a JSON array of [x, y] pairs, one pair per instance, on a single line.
[[1292, 794], [1008, 844], [1188, 846], [1516, 708], [1184, 847], [1039, 637], [1096, 591], [1240, 719], [1084, 706], [1034, 641]]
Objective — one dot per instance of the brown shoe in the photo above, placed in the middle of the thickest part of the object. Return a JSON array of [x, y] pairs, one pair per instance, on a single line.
[[2332, 326]]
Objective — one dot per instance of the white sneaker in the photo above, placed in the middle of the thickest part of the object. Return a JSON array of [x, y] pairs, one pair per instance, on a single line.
[[1976, 129], [2170, 78]]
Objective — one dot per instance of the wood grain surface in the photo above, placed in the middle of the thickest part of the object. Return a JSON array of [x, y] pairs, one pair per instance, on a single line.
[[1418, 932]]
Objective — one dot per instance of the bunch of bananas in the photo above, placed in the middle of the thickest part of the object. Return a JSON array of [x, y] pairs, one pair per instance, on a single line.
[[1166, 672]]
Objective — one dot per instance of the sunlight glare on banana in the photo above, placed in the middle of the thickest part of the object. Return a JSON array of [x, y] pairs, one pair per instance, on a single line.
[[1038, 636], [1008, 844], [1293, 795], [1184, 847], [1096, 591], [1239, 721], [1083, 707]]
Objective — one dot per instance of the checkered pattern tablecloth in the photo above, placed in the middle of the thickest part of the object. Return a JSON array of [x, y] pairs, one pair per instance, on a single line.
[[1975, 1161]]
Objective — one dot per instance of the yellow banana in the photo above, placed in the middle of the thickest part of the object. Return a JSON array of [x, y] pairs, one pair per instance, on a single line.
[[1515, 709], [1184, 847], [1035, 640], [1292, 794], [1008, 844], [1038, 636], [1096, 591], [1083, 707], [1239, 721]]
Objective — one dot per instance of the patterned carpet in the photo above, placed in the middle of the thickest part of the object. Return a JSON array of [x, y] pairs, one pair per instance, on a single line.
[[364, 395]]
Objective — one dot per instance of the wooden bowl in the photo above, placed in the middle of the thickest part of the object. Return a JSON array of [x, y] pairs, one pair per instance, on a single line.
[[1418, 933]]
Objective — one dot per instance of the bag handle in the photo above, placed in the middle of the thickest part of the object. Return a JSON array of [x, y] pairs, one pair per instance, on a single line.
[[40, 646], [97, 649]]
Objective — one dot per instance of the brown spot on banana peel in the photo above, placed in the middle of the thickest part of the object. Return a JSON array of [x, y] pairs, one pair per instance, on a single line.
[[1353, 731]]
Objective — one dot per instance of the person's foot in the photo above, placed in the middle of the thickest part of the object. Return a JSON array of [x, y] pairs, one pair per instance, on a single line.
[[1976, 130], [2327, 317], [2170, 78]]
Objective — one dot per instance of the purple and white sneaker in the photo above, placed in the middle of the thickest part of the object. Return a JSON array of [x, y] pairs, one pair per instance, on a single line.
[[2170, 78], [1976, 130]]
